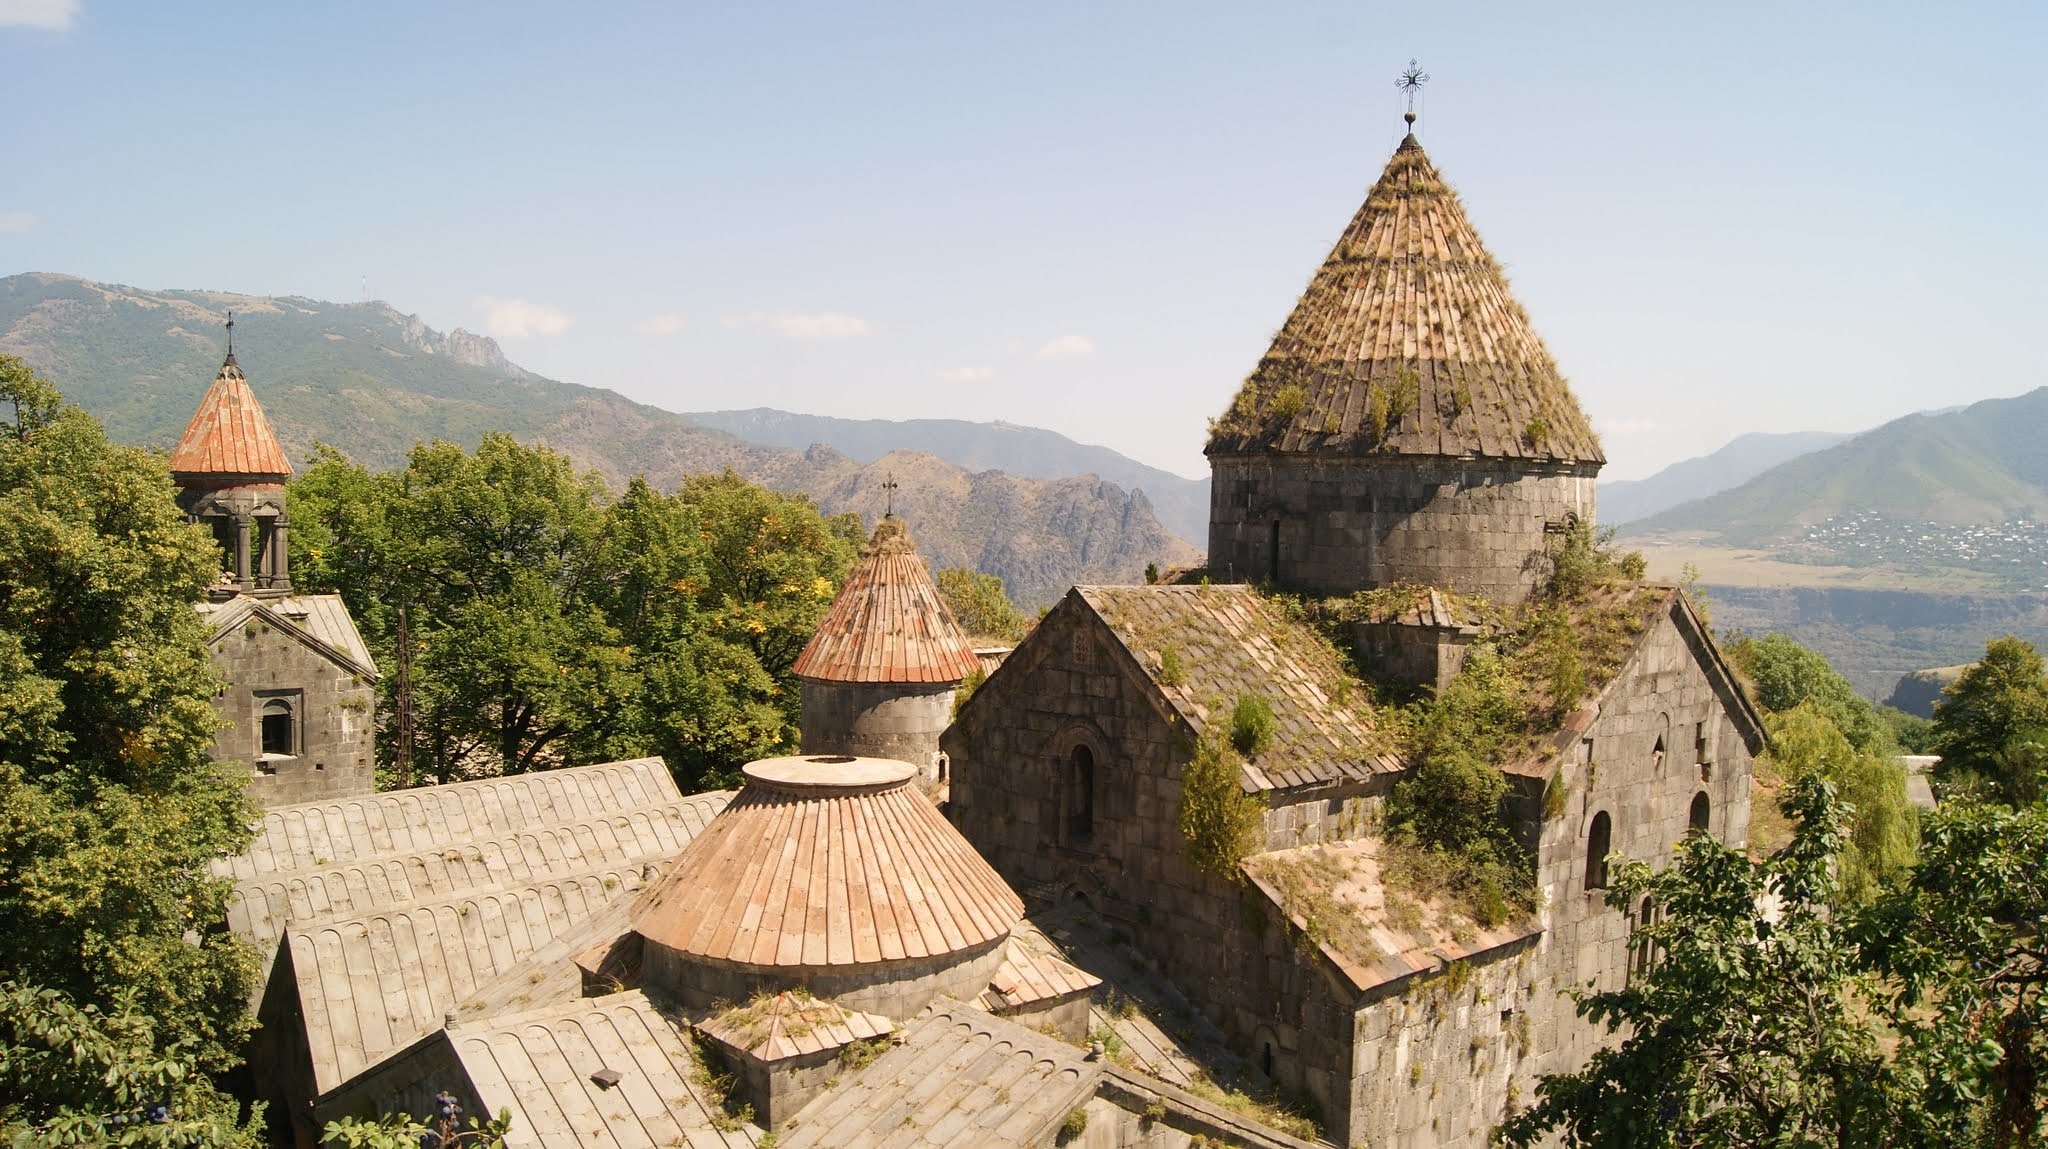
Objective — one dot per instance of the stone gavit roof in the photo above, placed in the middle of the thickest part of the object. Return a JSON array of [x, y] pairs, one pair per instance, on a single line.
[[1231, 643], [315, 835], [228, 435], [777, 1026], [1408, 341], [961, 1079], [888, 623], [827, 861]]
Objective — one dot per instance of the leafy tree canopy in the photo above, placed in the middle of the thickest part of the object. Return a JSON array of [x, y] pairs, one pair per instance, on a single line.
[[547, 622], [1883, 826], [980, 605], [1783, 674], [110, 804], [1991, 725]]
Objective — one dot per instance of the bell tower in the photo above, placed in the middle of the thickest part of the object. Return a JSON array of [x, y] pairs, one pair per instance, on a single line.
[[231, 473]]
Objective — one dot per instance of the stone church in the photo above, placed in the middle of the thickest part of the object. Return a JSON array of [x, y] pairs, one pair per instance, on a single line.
[[300, 696], [1406, 429], [826, 956]]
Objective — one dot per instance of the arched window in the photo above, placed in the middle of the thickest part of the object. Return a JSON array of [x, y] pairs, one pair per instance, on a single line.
[[279, 735], [1702, 808], [1597, 846], [1644, 953], [1663, 738], [1080, 793]]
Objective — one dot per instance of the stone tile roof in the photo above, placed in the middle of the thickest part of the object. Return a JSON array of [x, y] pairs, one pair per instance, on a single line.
[[322, 620], [827, 861], [1341, 884], [540, 1064], [1033, 971], [888, 623], [1408, 341], [315, 835], [262, 905], [228, 435], [790, 1024], [371, 984], [1231, 643], [961, 1078]]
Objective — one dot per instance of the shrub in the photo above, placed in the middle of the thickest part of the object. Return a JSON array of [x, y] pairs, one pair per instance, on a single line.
[[1251, 724], [1219, 823], [1171, 673], [1075, 1125], [1287, 402]]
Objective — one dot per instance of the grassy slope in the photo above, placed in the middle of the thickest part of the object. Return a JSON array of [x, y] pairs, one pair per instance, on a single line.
[[373, 382], [1982, 464]]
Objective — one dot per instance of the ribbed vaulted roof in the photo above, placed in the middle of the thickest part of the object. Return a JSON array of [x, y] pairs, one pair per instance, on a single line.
[[1408, 342], [229, 435], [827, 861], [888, 623]]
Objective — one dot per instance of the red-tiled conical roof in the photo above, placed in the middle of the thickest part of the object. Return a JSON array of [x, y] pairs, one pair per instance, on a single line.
[[888, 623], [229, 435], [1408, 342], [827, 861]]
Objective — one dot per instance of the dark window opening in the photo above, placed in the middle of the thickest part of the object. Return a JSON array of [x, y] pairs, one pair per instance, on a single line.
[[1597, 847], [1643, 953], [1657, 752], [1080, 793], [1266, 1061], [1699, 744], [1273, 551], [1702, 809], [279, 737]]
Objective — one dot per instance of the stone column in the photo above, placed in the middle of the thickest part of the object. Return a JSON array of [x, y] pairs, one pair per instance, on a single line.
[[242, 525], [281, 556]]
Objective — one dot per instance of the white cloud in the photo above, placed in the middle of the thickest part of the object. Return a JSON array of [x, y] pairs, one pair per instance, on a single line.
[[517, 319], [793, 325], [52, 14], [1622, 428], [660, 325], [16, 222], [965, 374], [1067, 347]]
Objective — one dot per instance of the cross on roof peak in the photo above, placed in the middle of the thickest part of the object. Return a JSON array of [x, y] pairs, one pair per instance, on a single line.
[[889, 486], [1410, 82]]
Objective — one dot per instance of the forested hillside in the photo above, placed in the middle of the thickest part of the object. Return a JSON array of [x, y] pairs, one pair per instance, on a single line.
[[372, 382]]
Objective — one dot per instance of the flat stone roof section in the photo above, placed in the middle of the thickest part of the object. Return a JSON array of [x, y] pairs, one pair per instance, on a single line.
[[827, 861], [790, 1024], [961, 1078], [888, 623], [315, 835]]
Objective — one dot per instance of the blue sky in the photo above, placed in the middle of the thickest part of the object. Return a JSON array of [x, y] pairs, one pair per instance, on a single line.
[[1089, 217]]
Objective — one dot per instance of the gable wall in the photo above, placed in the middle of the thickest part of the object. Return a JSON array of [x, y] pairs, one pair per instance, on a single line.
[[336, 712], [1648, 804]]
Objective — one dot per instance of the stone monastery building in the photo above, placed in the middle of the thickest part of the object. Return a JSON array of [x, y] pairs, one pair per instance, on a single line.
[[1039, 963]]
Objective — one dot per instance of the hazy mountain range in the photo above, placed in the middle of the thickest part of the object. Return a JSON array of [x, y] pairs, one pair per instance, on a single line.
[[372, 381], [1742, 459]]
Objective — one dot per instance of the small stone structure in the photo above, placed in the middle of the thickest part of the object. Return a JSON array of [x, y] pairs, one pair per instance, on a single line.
[[879, 674], [1407, 424], [301, 686]]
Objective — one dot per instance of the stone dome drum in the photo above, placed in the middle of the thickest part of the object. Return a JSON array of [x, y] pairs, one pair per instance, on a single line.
[[834, 873]]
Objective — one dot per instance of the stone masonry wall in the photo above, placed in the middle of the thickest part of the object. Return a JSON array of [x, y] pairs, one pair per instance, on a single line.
[[333, 709], [1346, 524], [879, 720]]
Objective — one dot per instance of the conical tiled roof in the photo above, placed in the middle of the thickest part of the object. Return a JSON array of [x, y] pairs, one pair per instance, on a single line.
[[827, 861], [229, 435], [888, 623], [1408, 342]]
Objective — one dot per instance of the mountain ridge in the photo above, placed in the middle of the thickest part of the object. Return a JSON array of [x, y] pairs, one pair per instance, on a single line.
[[371, 381], [1735, 462]]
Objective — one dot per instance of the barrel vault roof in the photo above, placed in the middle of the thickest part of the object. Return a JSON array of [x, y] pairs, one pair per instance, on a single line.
[[888, 623], [1408, 342], [228, 435]]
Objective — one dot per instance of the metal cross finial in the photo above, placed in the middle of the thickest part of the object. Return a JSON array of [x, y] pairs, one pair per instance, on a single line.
[[889, 494], [231, 333], [1411, 82]]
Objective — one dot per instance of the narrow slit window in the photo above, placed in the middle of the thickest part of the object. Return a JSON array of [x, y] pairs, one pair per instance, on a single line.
[[1080, 794], [1598, 840]]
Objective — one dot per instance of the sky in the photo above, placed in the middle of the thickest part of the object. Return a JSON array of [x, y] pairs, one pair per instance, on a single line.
[[1090, 217]]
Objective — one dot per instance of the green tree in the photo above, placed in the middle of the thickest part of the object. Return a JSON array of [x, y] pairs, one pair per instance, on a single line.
[[110, 805], [72, 1075], [1883, 831], [1991, 724], [1747, 1029], [1962, 947], [980, 605], [1783, 674]]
